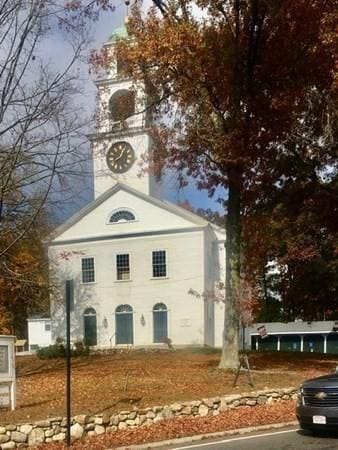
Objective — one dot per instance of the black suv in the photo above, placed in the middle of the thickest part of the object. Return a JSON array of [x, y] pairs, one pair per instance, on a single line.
[[317, 403]]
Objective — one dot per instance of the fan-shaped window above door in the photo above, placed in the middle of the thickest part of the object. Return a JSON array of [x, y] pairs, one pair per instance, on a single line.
[[122, 215]]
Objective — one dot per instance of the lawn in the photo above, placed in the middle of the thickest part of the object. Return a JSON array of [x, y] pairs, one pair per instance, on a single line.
[[124, 380]]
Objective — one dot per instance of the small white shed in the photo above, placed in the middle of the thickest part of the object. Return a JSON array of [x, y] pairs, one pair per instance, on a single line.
[[39, 332]]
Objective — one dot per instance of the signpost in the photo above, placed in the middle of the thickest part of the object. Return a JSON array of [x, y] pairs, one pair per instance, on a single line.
[[69, 304], [7, 371], [243, 365], [243, 362]]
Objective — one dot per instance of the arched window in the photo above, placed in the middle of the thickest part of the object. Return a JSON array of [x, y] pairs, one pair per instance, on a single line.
[[123, 309], [89, 312], [90, 327], [122, 105], [160, 307], [122, 215]]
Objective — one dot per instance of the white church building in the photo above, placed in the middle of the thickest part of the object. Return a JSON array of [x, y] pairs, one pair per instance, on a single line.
[[134, 256]]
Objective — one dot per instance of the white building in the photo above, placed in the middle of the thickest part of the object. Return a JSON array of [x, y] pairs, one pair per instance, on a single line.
[[133, 256], [39, 333], [298, 336]]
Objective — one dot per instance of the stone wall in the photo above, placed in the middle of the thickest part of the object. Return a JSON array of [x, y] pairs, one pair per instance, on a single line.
[[49, 430]]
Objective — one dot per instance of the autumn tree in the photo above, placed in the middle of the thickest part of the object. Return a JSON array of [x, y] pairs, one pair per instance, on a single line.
[[295, 224], [233, 79], [24, 284], [42, 121], [209, 214]]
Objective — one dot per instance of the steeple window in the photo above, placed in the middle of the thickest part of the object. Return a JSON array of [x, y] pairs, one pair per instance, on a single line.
[[122, 105]]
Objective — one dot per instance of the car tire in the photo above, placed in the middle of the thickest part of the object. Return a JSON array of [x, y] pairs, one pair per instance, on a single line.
[[306, 428]]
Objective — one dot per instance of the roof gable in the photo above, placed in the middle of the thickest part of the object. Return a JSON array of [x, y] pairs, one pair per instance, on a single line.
[[150, 214]]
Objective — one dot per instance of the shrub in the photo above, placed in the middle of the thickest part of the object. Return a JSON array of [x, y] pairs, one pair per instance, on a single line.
[[52, 351], [80, 349], [58, 350]]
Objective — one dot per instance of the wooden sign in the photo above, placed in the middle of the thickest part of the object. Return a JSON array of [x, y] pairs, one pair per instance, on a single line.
[[262, 332]]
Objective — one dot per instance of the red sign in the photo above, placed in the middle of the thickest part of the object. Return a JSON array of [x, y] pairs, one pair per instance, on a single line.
[[262, 332]]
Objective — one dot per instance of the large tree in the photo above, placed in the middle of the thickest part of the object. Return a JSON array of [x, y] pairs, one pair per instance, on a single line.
[[295, 224], [234, 78]]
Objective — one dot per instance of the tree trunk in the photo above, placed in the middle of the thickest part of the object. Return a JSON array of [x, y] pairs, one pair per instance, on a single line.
[[230, 345]]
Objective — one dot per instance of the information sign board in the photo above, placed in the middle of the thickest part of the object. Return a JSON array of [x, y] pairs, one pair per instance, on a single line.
[[4, 366], [7, 371]]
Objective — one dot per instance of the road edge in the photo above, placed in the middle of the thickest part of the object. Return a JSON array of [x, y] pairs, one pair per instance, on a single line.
[[199, 437]]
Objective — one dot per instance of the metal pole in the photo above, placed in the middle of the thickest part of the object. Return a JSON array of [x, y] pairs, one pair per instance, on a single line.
[[69, 296]]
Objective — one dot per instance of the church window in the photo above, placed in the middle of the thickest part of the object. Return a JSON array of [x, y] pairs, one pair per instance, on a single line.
[[88, 270], [122, 105], [122, 215], [159, 264], [120, 66], [123, 267]]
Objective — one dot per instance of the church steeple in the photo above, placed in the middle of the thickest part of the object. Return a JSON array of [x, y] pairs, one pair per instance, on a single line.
[[122, 143]]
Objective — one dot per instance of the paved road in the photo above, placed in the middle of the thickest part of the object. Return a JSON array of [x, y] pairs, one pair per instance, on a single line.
[[289, 439]]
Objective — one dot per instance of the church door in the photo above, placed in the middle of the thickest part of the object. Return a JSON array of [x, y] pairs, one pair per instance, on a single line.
[[90, 327], [124, 325], [160, 320]]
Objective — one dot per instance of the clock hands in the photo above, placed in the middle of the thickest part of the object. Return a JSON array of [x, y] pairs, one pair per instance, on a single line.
[[120, 155]]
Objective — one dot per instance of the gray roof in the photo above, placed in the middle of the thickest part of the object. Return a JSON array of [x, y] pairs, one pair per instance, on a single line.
[[294, 327]]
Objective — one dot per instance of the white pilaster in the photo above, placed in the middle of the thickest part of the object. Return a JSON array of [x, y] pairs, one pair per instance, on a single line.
[[325, 343]]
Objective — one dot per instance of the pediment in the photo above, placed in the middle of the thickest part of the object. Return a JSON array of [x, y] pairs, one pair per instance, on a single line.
[[150, 214]]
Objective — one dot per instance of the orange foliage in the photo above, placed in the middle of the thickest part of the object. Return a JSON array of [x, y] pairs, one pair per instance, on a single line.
[[23, 283]]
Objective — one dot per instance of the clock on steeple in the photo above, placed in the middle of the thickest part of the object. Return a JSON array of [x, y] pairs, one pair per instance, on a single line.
[[120, 157], [122, 140]]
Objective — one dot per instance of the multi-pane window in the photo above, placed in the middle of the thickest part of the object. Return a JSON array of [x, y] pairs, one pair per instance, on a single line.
[[88, 270], [159, 264], [122, 267], [121, 216]]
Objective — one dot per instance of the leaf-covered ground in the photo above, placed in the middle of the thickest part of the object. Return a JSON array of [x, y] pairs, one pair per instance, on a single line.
[[229, 420], [137, 379]]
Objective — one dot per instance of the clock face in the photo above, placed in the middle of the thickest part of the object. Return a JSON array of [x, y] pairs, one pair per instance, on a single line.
[[120, 157]]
